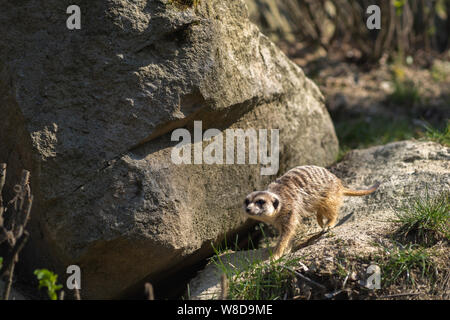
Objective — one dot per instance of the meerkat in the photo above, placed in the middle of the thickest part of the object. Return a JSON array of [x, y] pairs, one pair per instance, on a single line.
[[301, 190]]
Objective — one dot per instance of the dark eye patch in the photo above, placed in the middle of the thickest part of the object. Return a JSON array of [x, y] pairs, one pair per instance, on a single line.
[[246, 202], [260, 202], [276, 203]]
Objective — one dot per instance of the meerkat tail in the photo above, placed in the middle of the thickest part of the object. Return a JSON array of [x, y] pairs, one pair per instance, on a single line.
[[349, 192]]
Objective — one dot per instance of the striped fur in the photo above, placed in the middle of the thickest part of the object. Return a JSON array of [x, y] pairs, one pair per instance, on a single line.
[[300, 191]]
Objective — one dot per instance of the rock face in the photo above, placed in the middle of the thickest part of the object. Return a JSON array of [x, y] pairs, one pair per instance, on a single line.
[[90, 112], [405, 170]]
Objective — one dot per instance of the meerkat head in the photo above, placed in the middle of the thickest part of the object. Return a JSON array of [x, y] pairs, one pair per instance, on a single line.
[[261, 205]]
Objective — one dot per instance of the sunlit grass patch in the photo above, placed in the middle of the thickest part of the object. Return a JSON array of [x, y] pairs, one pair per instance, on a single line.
[[364, 132], [426, 220], [442, 137], [405, 93], [251, 276], [406, 264]]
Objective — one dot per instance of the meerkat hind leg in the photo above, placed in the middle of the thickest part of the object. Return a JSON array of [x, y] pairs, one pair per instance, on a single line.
[[330, 210], [319, 218]]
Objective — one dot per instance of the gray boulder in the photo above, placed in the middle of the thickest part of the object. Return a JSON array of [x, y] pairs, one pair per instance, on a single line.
[[90, 112]]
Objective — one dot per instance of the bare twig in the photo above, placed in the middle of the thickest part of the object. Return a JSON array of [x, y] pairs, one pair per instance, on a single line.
[[14, 234], [2, 176], [224, 285], [8, 267], [331, 295], [76, 293], [149, 291], [400, 295], [306, 279], [8, 283], [2, 184], [345, 280]]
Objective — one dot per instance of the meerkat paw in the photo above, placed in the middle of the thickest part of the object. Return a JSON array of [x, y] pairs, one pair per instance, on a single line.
[[326, 229], [275, 256]]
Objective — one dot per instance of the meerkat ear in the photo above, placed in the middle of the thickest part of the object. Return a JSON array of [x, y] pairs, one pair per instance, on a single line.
[[276, 202]]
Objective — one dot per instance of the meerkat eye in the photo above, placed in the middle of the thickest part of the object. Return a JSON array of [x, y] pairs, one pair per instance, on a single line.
[[276, 203], [260, 202], [246, 202]]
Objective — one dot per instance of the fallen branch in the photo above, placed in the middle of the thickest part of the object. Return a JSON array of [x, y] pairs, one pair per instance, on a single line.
[[400, 295], [306, 279], [333, 294]]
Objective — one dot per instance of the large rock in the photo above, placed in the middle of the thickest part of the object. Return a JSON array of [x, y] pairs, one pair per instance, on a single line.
[[406, 170], [90, 113]]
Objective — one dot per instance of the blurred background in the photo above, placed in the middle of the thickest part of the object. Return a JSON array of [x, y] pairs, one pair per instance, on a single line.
[[380, 85]]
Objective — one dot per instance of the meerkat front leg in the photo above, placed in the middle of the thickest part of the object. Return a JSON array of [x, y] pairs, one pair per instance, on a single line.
[[287, 230]]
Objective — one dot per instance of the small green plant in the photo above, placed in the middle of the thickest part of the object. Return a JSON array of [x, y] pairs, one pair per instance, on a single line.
[[401, 264], [442, 137], [341, 270], [440, 71], [1, 262], [399, 4], [405, 91], [437, 75], [48, 280], [426, 220]]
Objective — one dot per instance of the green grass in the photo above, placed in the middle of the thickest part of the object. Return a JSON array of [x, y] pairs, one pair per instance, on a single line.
[[442, 137], [366, 132], [405, 264], [421, 223], [426, 220], [341, 267], [252, 278], [405, 93]]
